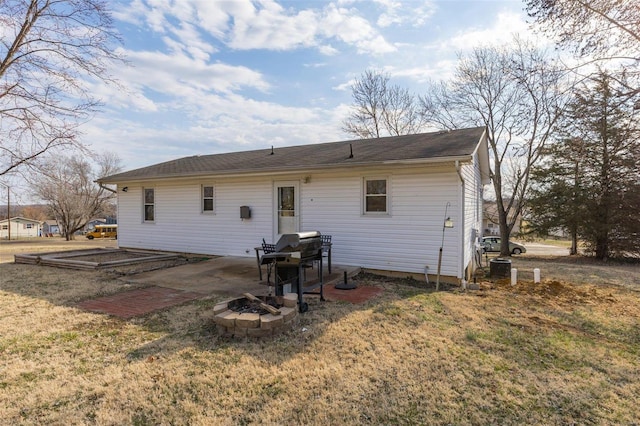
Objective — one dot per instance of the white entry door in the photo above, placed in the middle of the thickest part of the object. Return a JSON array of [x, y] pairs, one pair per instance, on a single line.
[[286, 216]]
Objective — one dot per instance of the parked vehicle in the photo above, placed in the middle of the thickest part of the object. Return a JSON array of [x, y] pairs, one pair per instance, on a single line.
[[103, 231], [492, 244]]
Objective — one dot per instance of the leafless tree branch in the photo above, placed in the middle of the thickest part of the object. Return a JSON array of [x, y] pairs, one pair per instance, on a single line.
[[48, 51]]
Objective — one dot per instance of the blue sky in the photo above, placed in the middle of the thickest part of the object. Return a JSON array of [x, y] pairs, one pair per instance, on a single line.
[[217, 76]]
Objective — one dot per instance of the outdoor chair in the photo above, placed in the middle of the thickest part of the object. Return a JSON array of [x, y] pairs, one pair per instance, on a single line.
[[266, 248], [326, 249]]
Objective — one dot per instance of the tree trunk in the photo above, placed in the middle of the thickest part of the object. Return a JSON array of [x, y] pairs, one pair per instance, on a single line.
[[505, 231], [602, 248], [574, 242]]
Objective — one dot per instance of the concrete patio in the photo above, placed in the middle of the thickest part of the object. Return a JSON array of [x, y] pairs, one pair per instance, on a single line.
[[223, 277]]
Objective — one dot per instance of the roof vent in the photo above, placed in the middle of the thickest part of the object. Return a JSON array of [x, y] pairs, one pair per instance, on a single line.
[[350, 151], [271, 150]]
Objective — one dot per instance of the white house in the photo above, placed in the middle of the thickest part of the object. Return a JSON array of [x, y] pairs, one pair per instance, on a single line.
[[383, 200], [20, 227], [50, 227]]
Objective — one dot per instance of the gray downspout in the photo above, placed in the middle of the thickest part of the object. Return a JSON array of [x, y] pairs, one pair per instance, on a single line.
[[462, 228], [115, 191]]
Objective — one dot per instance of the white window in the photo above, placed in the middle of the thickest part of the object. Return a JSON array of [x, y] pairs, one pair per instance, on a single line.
[[376, 196], [208, 193], [28, 225], [149, 204]]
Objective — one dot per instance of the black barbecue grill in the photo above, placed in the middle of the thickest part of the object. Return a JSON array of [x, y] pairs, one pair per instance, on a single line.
[[293, 254]]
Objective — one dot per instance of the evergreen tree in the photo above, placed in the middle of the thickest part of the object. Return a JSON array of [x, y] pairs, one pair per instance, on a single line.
[[558, 200], [589, 182]]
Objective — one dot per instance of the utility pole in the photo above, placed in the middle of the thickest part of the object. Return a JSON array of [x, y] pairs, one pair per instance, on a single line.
[[8, 210], [8, 213]]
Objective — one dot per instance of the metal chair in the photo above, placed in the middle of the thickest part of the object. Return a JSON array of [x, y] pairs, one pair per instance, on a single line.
[[265, 248], [268, 248], [326, 249]]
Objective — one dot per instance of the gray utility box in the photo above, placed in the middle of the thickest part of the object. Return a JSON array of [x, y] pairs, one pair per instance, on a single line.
[[245, 212]]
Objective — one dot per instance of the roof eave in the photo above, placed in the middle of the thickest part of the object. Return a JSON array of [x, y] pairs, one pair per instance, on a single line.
[[285, 170]]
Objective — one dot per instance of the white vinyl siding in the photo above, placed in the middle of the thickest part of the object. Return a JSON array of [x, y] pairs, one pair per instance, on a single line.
[[406, 241], [330, 202], [472, 212], [181, 227]]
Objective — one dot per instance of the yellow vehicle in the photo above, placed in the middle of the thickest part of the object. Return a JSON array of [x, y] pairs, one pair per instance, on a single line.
[[103, 231]]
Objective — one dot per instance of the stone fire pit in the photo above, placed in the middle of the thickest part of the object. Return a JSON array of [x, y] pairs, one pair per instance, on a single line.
[[242, 317]]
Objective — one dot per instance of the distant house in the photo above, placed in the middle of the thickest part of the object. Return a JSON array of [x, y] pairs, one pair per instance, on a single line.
[[383, 200], [491, 223], [20, 227], [92, 223], [50, 227], [100, 221]]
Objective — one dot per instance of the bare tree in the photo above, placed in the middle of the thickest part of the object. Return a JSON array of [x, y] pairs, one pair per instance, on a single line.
[[401, 114], [69, 189], [36, 212], [48, 51], [606, 28], [598, 30], [381, 109], [516, 93]]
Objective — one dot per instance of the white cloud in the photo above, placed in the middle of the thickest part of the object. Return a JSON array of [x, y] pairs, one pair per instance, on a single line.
[[271, 27], [344, 87], [435, 70], [436, 58], [347, 26], [414, 13], [192, 43], [219, 124], [328, 50], [262, 24], [316, 65], [505, 26], [171, 74]]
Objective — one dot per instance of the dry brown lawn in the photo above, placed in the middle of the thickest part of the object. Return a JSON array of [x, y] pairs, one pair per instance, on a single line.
[[559, 352]]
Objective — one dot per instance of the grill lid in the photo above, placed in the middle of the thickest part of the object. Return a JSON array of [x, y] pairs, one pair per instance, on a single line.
[[299, 241]]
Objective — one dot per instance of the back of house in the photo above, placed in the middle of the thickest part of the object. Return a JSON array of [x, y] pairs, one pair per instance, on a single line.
[[383, 201]]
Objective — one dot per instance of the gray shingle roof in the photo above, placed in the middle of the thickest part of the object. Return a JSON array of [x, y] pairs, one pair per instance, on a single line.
[[448, 144]]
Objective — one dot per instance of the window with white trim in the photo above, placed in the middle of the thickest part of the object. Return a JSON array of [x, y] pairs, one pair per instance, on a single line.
[[208, 194], [149, 204], [376, 196]]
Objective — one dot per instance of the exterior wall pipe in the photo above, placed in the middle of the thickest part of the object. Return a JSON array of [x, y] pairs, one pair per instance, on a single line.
[[462, 225], [105, 187]]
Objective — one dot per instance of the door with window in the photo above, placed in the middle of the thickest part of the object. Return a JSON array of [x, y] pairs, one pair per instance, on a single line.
[[286, 215]]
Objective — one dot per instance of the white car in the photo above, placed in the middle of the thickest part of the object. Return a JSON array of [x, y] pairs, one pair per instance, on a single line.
[[492, 244]]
